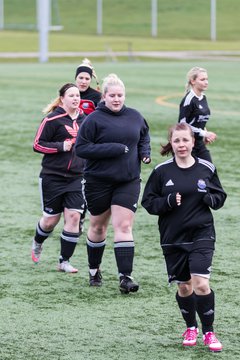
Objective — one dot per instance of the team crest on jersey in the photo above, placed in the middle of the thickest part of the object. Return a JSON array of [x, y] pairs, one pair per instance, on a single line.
[[85, 105], [201, 185]]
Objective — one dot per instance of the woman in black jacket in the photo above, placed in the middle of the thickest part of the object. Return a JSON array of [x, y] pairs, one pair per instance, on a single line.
[[181, 192], [61, 174], [90, 97], [114, 139]]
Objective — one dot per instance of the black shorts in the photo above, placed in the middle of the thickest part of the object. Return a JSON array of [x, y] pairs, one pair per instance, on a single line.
[[58, 193], [101, 195], [182, 264]]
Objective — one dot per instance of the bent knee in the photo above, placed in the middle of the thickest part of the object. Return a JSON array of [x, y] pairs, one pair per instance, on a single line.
[[185, 289], [202, 289]]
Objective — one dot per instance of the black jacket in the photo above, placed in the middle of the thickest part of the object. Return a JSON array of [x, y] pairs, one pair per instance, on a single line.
[[89, 100], [195, 111], [54, 129], [103, 139], [201, 190]]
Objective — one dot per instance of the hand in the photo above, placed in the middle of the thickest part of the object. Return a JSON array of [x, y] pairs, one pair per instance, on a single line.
[[174, 199], [210, 137], [67, 145], [146, 160], [178, 199]]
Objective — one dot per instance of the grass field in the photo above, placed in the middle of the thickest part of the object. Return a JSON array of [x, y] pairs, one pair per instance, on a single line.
[[182, 25], [187, 18], [50, 315]]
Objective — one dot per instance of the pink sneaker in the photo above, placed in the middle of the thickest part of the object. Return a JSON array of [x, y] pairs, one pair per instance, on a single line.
[[212, 342], [190, 336]]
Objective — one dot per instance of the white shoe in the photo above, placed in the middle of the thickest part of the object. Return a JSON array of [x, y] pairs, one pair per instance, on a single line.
[[65, 266]]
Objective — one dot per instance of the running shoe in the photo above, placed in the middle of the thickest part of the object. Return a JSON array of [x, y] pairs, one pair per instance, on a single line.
[[210, 340], [65, 266], [128, 285], [36, 251], [95, 280], [190, 336]]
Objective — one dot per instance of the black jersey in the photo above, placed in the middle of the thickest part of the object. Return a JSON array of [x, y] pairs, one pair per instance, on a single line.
[[194, 110], [200, 189], [103, 139], [89, 100], [54, 129]]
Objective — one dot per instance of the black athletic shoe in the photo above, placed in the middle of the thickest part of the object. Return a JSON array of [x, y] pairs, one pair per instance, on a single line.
[[95, 280], [127, 285]]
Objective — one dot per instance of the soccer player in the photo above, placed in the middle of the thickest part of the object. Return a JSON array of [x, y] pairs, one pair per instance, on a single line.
[[61, 175], [194, 110], [181, 192], [89, 97], [114, 139]]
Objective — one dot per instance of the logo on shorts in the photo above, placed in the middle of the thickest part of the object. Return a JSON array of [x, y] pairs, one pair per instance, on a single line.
[[135, 205], [201, 185], [209, 269], [49, 210]]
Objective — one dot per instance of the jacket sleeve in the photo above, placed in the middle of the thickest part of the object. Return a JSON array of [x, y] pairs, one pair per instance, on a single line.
[[144, 148], [153, 200], [184, 112], [215, 196], [43, 140], [86, 148], [185, 115]]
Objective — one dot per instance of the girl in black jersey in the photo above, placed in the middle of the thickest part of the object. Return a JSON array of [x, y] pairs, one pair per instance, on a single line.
[[89, 96], [194, 110], [114, 139], [61, 175], [181, 192]]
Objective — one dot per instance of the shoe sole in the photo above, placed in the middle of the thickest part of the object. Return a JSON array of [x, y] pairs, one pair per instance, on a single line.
[[67, 272], [127, 291], [214, 350], [95, 284]]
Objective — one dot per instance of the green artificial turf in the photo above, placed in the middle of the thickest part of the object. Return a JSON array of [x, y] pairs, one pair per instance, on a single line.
[[45, 314]]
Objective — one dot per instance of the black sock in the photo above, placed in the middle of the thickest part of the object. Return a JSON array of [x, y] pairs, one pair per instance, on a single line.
[[124, 254], [68, 244], [95, 253], [187, 306], [41, 235], [205, 309]]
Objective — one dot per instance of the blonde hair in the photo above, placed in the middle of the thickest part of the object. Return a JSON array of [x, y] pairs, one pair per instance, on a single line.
[[111, 80], [57, 101], [192, 75]]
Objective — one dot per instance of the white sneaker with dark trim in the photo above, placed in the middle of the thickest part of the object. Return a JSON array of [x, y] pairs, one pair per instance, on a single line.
[[65, 266]]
